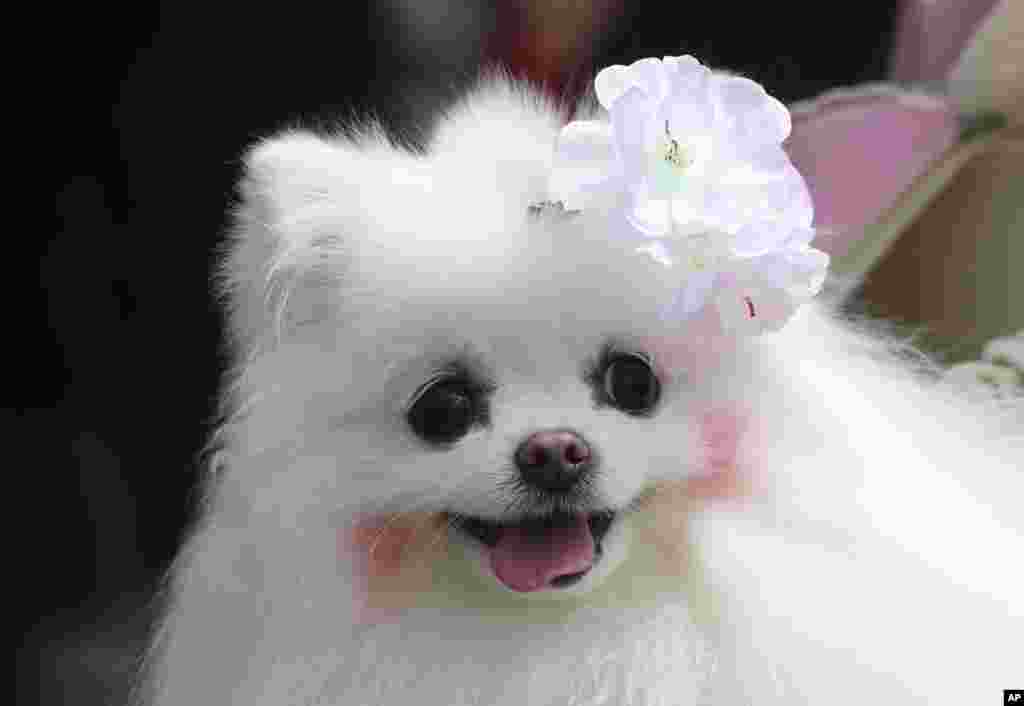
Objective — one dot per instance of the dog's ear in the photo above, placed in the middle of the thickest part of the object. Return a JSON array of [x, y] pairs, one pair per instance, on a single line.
[[304, 200]]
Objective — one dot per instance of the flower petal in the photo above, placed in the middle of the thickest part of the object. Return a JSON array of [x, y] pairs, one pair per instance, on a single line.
[[775, 120], [800, 238], [809, 270], [647, 75], [650, 75], [652, 217], [689, 117], [611, 83], [800, 206], [690, 297], [684, 64], [801, 272], [633, 129], [758, 238], [658, 252], [752, 116], [756, 197], [695, 210], [688, 107], [768, 158], [739, 95], [688, 78]]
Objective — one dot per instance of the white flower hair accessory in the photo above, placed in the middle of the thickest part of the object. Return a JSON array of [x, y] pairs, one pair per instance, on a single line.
[[693, 166]]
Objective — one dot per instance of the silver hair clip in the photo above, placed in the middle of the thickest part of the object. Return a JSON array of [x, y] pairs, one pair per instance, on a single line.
[[549, 209]]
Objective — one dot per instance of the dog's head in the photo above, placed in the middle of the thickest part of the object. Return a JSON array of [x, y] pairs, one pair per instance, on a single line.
[[428, 358]]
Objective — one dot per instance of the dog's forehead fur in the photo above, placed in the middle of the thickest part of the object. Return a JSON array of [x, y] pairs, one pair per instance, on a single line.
[[332, 230]]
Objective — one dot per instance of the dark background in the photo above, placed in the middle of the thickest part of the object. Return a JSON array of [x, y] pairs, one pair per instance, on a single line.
[[119, 360]]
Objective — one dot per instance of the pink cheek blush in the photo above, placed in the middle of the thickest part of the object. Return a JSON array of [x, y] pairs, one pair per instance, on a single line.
[[389, 564], [726, 468], [726, 452]]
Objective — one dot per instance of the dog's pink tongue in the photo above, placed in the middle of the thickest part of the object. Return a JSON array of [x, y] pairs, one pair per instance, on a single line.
[[529, 558]]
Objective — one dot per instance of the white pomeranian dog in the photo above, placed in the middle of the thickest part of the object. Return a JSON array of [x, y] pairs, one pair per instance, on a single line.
[[467, 461]]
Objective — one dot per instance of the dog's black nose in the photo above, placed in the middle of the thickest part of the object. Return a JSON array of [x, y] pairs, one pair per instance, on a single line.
[[554, 461]]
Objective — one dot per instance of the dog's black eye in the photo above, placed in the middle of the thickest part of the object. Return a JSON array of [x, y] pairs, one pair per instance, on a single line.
[[630, 384], [443, 411]]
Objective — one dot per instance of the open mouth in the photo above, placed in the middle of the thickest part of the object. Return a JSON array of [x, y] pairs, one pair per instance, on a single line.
[[533, 554]]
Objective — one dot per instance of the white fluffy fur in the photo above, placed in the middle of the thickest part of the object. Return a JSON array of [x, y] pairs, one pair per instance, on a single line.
[[881, 562]]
